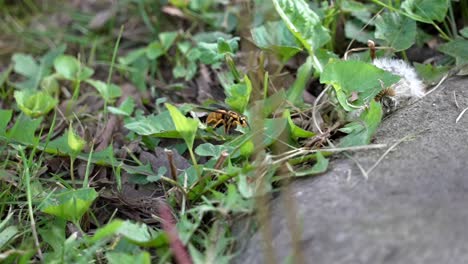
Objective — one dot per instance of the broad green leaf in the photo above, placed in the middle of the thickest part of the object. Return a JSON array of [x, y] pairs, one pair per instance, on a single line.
[[137, 233], [320, 166], [25, 65], [208, 53], [160, 125], [398, 31], [50, 85], [7, 234], [274, 127], [303, 23], [109, 92], [348, 77], [426, 11], [69, 204], [457, 48], [223, 47], [153, 51], [464, 32], [33, 71], [276, 37], [167, 39], [210, 150], [24, 130], [431, 74], [358, 10], [54, 234], [238, 95], [304, 73], [360, 132], [179, 3], [75, 142], [34, 103], [186, 127], [124, 258], [354, 30], [5, 117], [72, 69], [125, 108], [296, 132], [133, 56]]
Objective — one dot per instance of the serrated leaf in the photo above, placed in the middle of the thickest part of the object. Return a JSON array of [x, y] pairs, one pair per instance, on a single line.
[[426, 10], [398, 31], [303, 23]]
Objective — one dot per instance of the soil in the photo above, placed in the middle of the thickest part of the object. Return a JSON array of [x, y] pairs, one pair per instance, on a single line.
[[412, 207]]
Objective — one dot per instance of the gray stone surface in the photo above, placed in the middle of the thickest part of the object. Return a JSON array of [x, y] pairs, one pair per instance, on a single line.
[[412, 209]]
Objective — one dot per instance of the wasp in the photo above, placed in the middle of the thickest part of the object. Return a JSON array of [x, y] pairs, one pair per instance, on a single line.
[[223, 117]]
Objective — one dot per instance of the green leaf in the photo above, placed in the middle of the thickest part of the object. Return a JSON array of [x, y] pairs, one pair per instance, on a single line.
[[186, 127], [69, 204], [34, 103], [274, 127], [464, 32], [160, 125], [457, 48], [5, 117], [133, 56], [296, 132], [124, 258], [223, 47], [125, 109], [24, 130], [303, 23], [75, 142], [109, 92], [398, 31], [238, 95], [136, 233], [354, 30], [7, 234], [153, 51], [319, 167], [167, 39], [348, 77], [25, 65], [304, 73], [34, 72], [431, 74], [426, 11], [71, 69], [210, 150], [179, 3], [360, 132], [276, 37]]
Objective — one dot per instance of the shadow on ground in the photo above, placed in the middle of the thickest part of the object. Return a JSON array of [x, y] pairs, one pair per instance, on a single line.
[[412, 209]]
